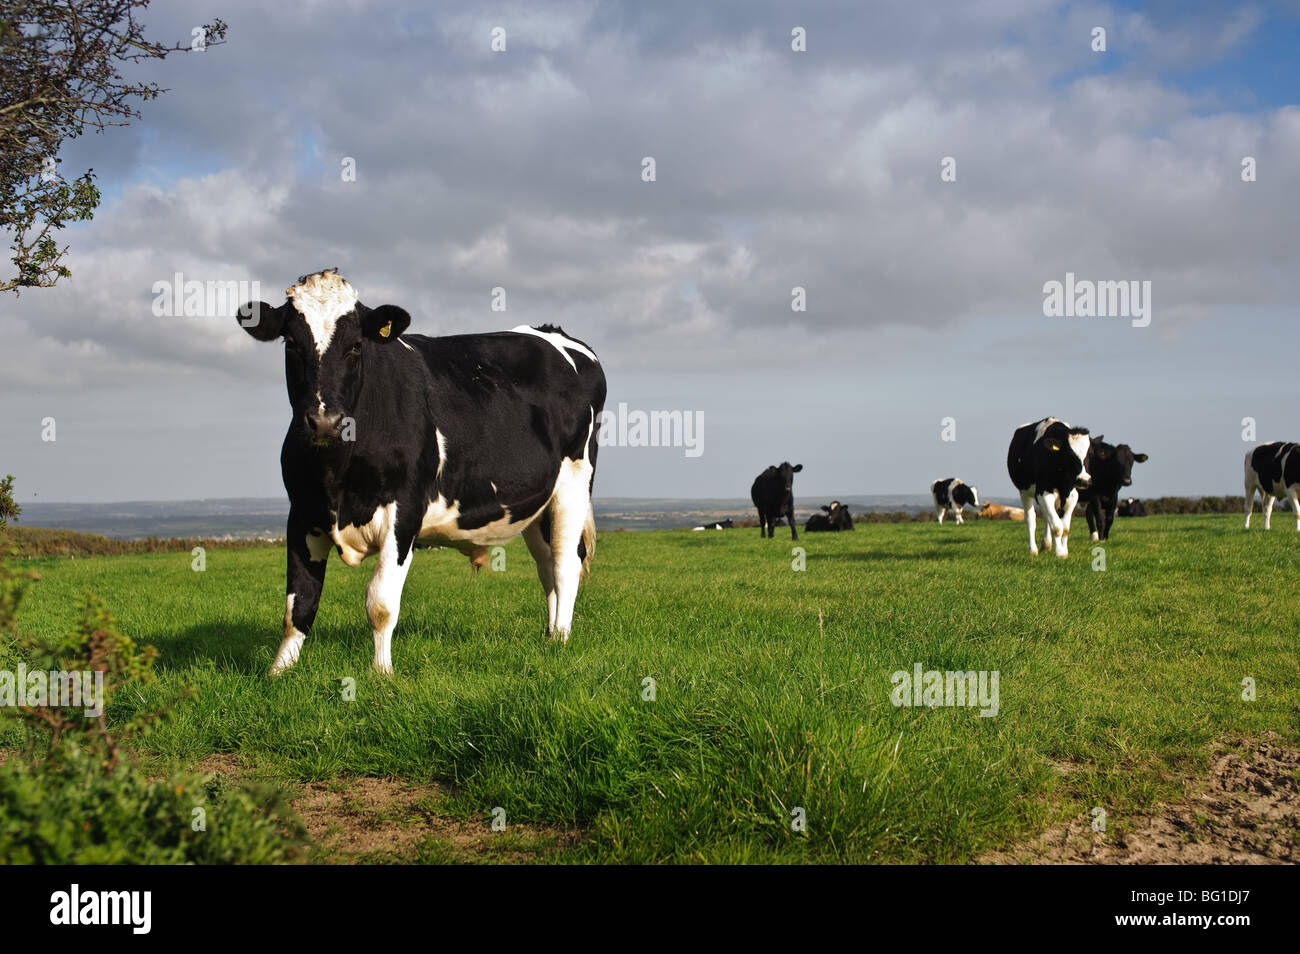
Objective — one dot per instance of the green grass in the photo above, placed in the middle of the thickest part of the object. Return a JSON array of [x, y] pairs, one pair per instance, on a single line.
[[1125, 674]]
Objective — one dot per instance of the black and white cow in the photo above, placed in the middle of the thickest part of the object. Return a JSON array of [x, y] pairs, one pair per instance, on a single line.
[[1274, 471], [1132, 507], [773, 495], [836, 517], [463, 441], [951, 494], [1111, 467], [1046, 463], [716, 525]]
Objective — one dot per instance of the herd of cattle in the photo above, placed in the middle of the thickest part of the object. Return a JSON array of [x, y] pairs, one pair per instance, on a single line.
[[1055, 467], [468, 441]]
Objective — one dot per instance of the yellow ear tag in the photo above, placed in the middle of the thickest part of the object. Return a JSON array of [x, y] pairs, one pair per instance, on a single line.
[[1056, 447], [387, 330]]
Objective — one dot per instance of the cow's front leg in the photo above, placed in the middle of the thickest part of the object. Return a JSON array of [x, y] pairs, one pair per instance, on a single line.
[[789, 515], [540, 549], [1093, 513], [384, 595], [1055, 530], [1063, 534], [308, 548], [1269, 500], [1028, 504]]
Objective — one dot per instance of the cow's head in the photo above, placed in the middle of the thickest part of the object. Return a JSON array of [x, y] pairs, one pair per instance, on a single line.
[[1065, 458], [1111, 465], [327, 333], [975, 494], [786, 473], [839, 515]]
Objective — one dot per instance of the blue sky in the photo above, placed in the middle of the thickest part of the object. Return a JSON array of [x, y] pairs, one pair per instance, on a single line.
[[776, 169]]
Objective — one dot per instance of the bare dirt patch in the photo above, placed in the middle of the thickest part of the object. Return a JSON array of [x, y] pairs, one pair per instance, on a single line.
[[1247, 811], [358, 820]]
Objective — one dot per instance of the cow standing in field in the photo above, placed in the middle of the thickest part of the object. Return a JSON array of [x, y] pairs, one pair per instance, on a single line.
[[951, 494], [1046, 463], [1273, 470], [463, 441], [835, 517], [773, 495], [1111, 467]]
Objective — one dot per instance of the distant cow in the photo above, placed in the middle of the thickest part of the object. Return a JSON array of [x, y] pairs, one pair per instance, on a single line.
[[835, 517], [1274, 471], [716, 525], [463, 441], [1132, 507], [773, 495], [992, 511], [1046, 463], [952, 495], [1111, 467]]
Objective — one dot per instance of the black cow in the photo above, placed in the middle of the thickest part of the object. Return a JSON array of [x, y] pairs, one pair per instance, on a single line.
[[773, 495], [1132, 507], [1111, 467], [463, 441], [1274, 471], [1046, 461], [836, 517], [951, 494]]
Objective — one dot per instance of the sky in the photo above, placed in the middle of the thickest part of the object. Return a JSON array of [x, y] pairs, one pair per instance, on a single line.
[[920, 171]]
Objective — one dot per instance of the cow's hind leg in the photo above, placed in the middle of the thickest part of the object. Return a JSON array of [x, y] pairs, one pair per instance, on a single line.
[[540, 549], [1269, 500], [384, 596], [308, 549], [570, 512]]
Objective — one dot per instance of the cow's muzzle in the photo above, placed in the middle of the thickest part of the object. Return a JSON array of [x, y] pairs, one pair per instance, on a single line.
[[324, 428]]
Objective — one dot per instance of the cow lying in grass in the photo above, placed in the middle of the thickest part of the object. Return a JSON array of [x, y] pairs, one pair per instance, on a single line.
[[835, 516]]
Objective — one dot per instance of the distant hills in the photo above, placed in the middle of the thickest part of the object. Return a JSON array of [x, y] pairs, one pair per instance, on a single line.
[[264, 517]]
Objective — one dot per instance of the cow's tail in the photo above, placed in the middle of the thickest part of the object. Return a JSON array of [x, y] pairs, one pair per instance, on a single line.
[[588, 541]]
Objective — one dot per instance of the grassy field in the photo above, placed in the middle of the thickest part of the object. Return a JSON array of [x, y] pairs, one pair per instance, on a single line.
[[1111, 683]]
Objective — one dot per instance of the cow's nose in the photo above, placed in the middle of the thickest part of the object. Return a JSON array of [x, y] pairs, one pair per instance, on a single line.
[[1128, 482], [1083, 483], [324, 427]]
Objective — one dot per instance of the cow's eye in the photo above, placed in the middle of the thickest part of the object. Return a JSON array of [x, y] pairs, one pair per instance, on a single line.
[[354, 351]]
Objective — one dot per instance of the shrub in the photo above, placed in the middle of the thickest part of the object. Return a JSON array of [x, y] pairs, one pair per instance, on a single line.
[[69, 797]]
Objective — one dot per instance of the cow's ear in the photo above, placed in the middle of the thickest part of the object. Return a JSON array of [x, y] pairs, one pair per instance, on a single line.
[[261, 320], [1140, 458], [385, 322], [1098, 439], [798, 467]]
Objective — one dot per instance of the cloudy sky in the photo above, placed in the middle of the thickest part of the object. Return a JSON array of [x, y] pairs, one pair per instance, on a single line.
[[774, 169]]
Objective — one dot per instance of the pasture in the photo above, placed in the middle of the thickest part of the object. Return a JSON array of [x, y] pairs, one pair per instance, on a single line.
[[1112, 683]]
